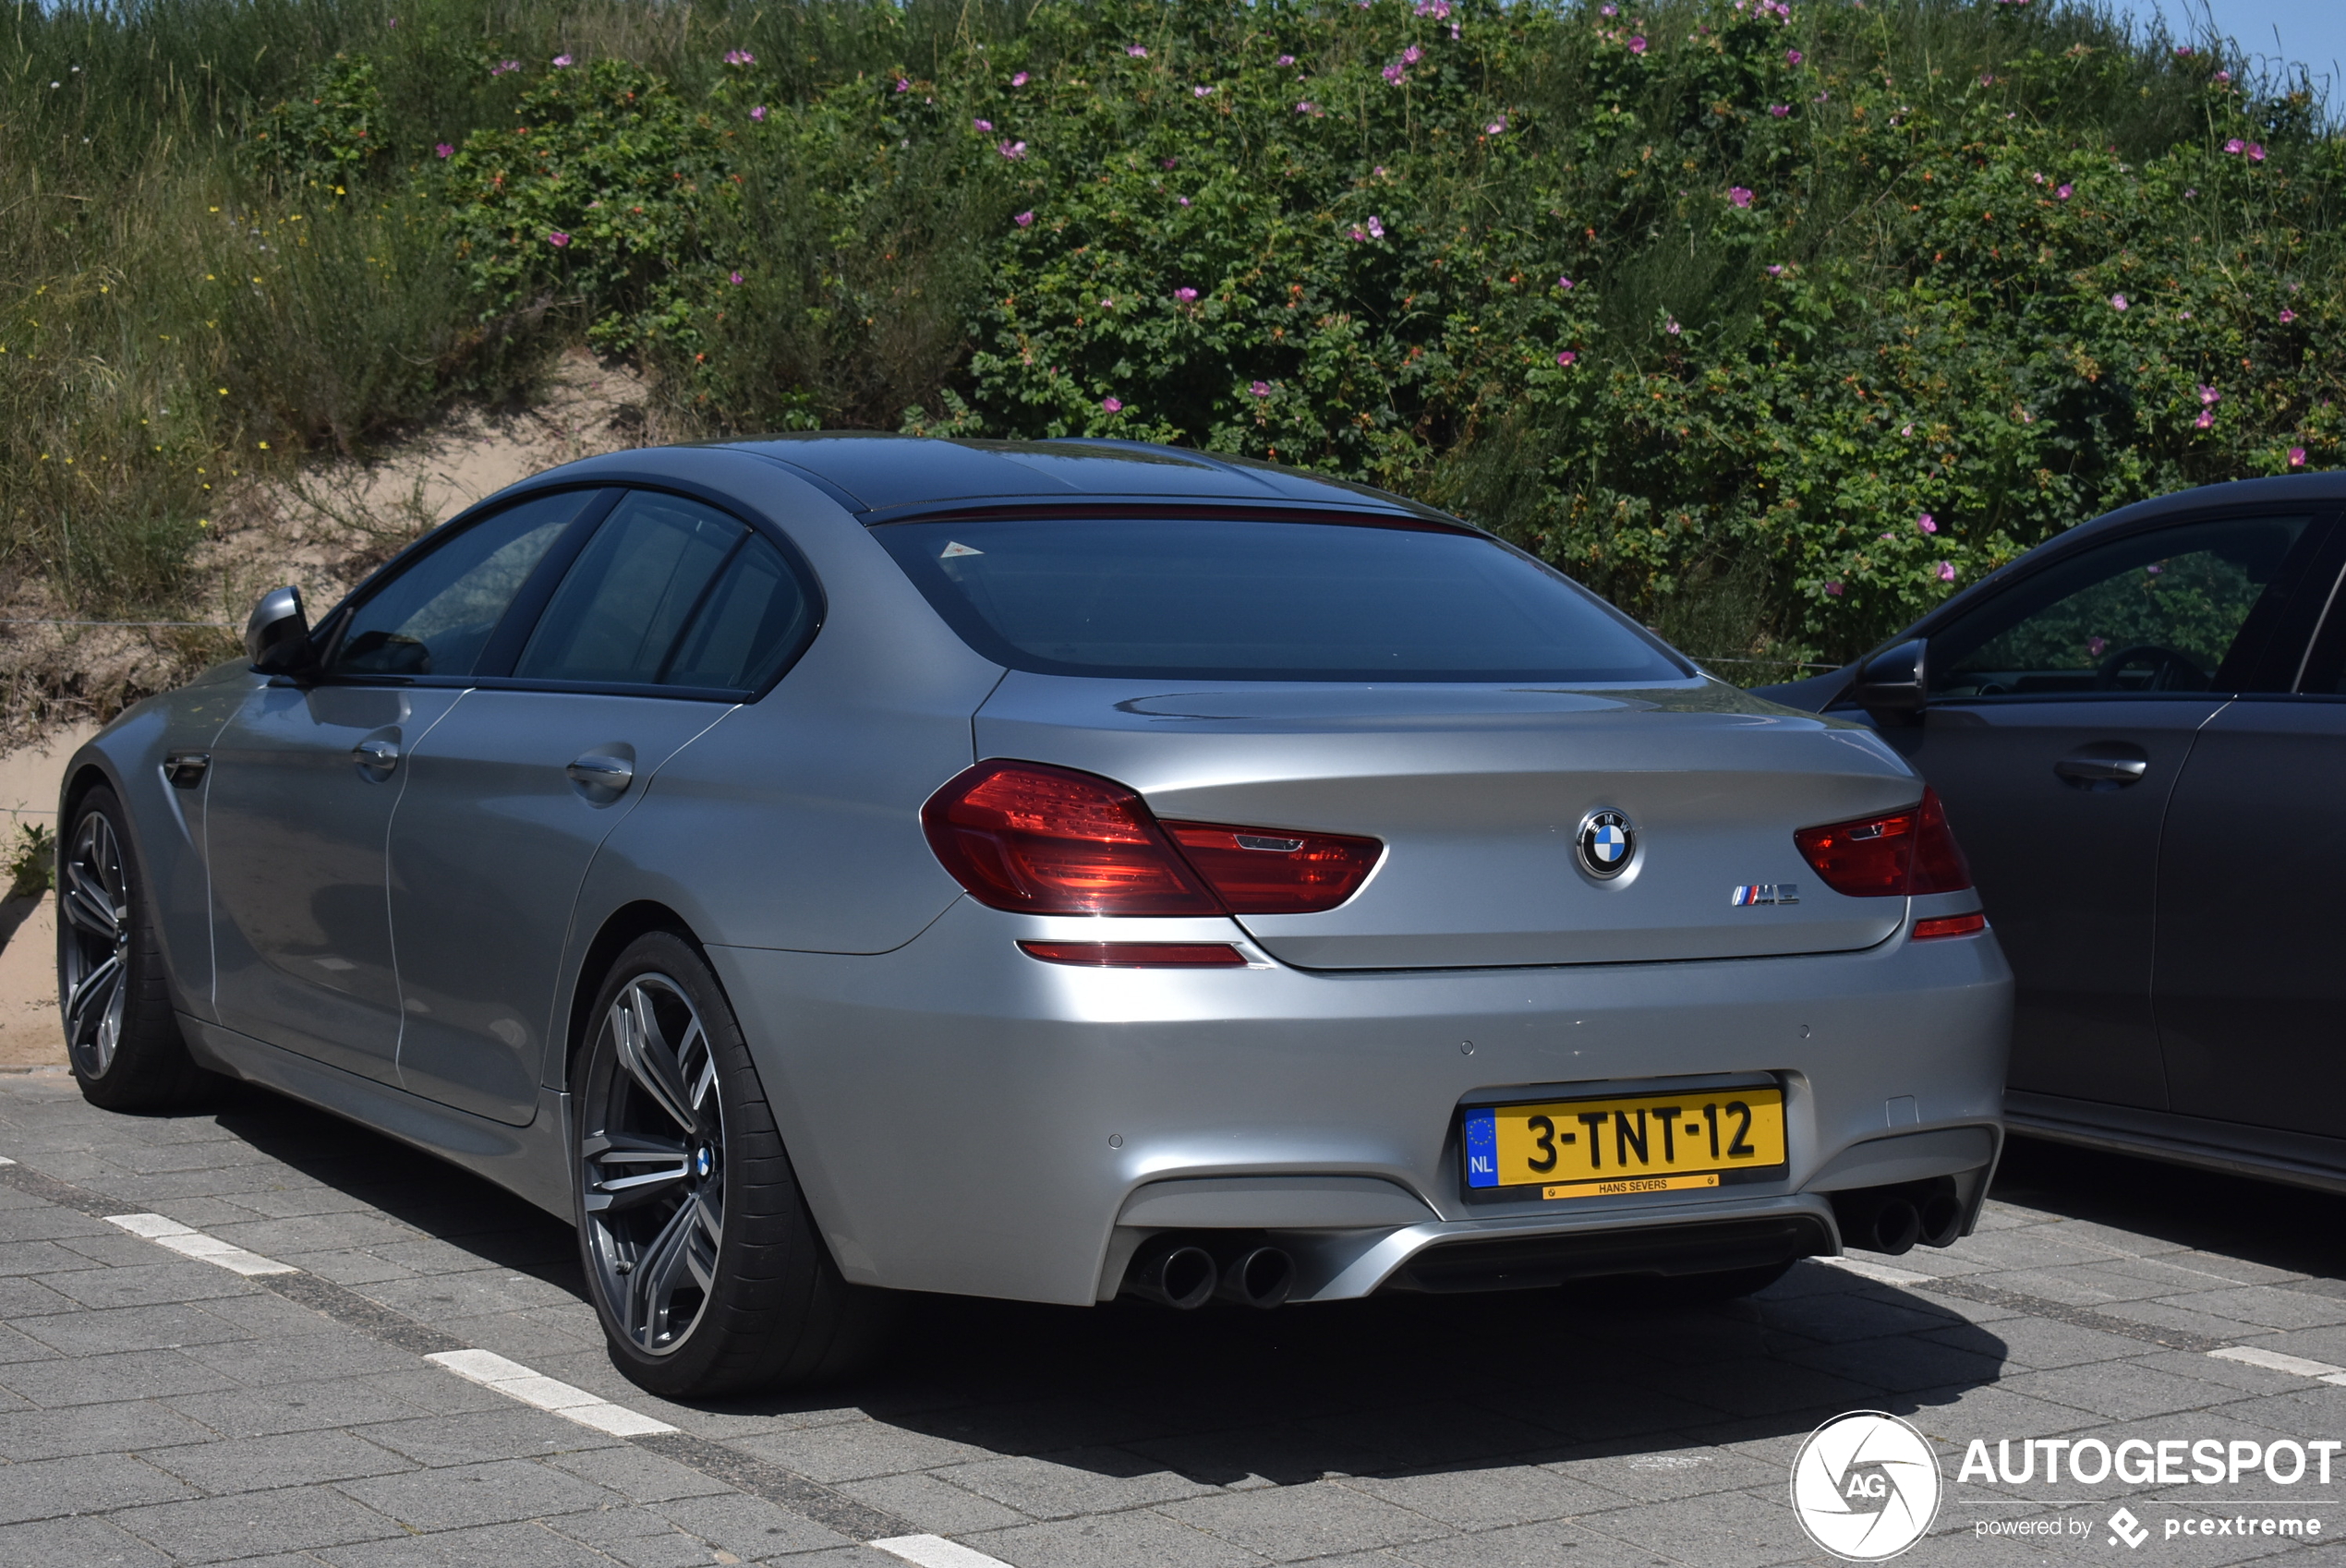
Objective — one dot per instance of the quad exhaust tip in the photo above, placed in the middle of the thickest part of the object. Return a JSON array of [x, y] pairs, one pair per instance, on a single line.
[[1186, 1272], [1893, 1219]]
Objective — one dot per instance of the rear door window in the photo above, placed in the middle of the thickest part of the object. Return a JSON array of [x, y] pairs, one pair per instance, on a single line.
[[671, 592], [1222, 598]]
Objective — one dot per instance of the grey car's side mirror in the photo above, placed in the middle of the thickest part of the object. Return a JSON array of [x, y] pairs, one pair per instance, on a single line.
[[1893, 684], [277, 636]]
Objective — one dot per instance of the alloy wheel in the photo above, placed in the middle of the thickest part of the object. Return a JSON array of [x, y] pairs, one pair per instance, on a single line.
[[94, 896], [652, 1164]]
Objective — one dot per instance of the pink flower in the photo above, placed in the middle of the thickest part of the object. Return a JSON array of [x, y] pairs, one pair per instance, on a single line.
[[1926, 522], [1186, 296], [1201, 92], [561, 60], [501, 67], [1393, 74], [1946, 573], [1780, 109], [740, 58], [2153, 568], [1287, 59], [1307, 107], [1565, 283], [1412, 54], [444, 151], [982, 125], [1184, 201], [1637, 45], [1833, 588], [1496, 127], [1776, 271], [1567, 358], [759, 114], [1739, 196], [736, 279], [2297, 457], [2235, 146], [2095, 645], [2255, 152], [1013, 150], [902, 85], [2224, 77], [1674, 329], [1019, 80], [558, 239], [2062, 193], [1376, 227], [1113, 405], [1260, 389], [2209, 397], [1608, 10], [1438, 9], [2287, 317], [2118, 302], [2207, 420], [1793, 57], [2183, 51], [1138, 54], [1024, 220], [1987, 78]]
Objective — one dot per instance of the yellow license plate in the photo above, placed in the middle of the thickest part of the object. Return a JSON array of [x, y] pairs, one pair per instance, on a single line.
[[1642, 1143]]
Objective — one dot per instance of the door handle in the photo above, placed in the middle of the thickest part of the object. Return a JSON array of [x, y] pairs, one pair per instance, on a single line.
[[376, 756], [602, 773], [2109, 772]]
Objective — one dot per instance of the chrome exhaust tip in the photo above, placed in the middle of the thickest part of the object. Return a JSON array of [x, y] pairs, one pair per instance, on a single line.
[[1257, 1277]]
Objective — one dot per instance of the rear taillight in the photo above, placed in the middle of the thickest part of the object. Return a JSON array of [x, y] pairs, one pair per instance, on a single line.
[[1050, 840], [1888, 856], [1267, 871], [1137, 955], [1950, 926]]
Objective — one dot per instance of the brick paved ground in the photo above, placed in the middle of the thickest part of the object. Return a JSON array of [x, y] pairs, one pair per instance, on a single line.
[[156, 1408]]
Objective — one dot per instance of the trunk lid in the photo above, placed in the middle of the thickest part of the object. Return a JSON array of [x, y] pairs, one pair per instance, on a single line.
[[1479, 793]]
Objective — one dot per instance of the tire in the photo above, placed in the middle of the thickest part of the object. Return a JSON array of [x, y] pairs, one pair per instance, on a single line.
[[703, 1261], [122, 1036]]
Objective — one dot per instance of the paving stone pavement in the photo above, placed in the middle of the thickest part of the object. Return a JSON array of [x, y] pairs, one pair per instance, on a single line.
[[157, 1407]]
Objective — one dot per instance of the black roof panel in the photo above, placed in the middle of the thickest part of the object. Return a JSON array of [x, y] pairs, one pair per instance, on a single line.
[[889, 473]]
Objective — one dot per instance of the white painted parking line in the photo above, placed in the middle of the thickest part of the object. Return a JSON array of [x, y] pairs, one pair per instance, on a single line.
[[2275, 1361], [936, 1551], [1881, 1274], [190, 1242], [516, 1382]]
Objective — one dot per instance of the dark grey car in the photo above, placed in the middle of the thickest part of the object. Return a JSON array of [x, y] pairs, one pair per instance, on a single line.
[[2139, 729]]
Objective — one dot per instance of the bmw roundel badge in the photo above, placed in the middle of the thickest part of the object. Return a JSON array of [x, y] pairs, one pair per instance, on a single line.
[[1607, 842]]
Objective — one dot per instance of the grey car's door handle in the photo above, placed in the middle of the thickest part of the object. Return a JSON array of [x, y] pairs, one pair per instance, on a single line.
[[602, 773], [378, 755], [2110, 770]]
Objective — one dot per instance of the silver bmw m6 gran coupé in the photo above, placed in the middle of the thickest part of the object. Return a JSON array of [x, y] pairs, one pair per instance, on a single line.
[[822, 867]]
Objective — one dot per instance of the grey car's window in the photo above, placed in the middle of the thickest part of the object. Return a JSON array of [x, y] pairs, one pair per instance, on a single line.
[[621, 607], [2159, 611], [1218, 598], [434, 616], [754, 621]]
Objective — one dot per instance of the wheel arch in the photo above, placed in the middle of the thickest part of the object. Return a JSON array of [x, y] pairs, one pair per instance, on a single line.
[[620, 927]]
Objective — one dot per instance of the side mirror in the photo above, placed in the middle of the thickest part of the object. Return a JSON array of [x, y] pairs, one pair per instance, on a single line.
[[1893, 684], [277, 636]]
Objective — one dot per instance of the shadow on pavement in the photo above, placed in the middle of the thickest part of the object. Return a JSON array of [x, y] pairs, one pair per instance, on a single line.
[[1391, 1385]]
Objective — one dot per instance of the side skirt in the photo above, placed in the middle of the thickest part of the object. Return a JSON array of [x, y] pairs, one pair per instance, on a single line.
[[532, 1161], [2236, 1149]]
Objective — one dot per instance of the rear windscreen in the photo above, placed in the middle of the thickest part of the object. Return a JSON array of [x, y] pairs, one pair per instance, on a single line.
[[1245, 599]]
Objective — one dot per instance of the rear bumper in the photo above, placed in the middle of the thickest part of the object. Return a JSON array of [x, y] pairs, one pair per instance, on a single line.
[[967, 1119]]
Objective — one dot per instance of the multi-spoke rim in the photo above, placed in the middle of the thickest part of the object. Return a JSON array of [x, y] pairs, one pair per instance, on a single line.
[[652, 1164], [94, 896]]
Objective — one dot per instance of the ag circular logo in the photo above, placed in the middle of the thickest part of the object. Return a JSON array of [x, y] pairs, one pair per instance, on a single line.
[[1606, 843], [1866, 1486]]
